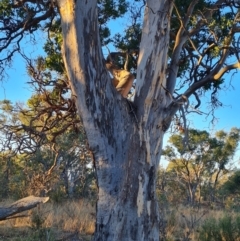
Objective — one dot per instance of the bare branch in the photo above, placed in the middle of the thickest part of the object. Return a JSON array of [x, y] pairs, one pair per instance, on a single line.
[[14, 27]]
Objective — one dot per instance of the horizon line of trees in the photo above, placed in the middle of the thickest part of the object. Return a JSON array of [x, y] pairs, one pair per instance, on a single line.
[[199, 170]]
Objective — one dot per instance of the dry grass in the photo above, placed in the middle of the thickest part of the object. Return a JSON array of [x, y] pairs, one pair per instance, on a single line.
[[78, 217], [184, 223], [67, 217]]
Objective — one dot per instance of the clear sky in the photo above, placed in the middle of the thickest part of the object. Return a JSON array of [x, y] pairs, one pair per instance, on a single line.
[[14, 86]]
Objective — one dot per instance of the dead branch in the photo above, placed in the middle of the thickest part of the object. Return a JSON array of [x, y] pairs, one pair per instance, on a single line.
[[20, 206]]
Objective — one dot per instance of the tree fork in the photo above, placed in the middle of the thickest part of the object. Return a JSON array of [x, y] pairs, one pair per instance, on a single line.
[[126, 154]]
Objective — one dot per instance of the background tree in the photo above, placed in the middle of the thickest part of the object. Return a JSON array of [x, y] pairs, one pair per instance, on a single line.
[[37, 164], [231, 186], [202, 162], [202, 41]]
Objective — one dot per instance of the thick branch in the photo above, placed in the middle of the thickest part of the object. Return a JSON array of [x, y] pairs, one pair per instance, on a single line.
[[21, 205], [152, 60], [226, 69], [180, 39]]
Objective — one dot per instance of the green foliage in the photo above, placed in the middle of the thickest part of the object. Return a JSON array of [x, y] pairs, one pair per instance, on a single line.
[[6, 106], [207, 44], [52, 47], [107, 10], [58, 195], [224, 229], [11, 176], [203, 160], [201, 225], [37, 220], [46, 172], [201, 147], [232, 185], [130, 40], [209, 230], [5, 8], [45, 234], [40, 232]]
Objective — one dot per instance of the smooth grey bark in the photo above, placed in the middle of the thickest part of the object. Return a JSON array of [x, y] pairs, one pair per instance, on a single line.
[[126, 146]]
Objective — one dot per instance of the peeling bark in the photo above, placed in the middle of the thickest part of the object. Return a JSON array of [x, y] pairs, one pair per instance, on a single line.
[[126, 151]]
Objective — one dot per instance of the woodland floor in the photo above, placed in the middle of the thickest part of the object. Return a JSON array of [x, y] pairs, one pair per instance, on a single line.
[[75, 221], [66, 221], [20, 234]]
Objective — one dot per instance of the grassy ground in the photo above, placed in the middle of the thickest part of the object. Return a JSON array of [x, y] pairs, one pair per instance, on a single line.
[[71, 220], [204, 224], [74, 221]]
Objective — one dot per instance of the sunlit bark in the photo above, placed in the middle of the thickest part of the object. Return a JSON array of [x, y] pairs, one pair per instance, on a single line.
[[126, 139]]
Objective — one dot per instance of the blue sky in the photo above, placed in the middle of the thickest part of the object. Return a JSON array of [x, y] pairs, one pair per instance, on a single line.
[[14, 85], [14, 88], [229, 114]]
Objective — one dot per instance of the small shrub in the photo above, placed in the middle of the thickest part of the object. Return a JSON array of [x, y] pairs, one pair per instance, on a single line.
[[210, 231], [237, 226], [58, 195], [226, 228], [39, 235], [37, 220]]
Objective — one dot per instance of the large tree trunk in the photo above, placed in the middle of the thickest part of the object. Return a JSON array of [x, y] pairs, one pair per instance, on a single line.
[[126, 146]]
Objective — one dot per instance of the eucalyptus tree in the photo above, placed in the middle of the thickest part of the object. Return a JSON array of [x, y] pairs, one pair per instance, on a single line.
[[185, 50], [203, 162], [36, 158], [231, 186]]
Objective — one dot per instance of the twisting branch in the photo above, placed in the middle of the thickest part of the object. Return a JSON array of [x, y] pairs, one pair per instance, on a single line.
[[14, 26], [181, 38], [198, 100]]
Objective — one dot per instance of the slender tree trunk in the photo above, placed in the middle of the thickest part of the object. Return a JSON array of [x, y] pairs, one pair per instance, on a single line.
[[213, 191], [192, 188], [126, 145], [190, 195]]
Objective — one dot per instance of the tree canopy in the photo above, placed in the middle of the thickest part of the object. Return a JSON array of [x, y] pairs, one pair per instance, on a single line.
[[202, 46], [203, 162]]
